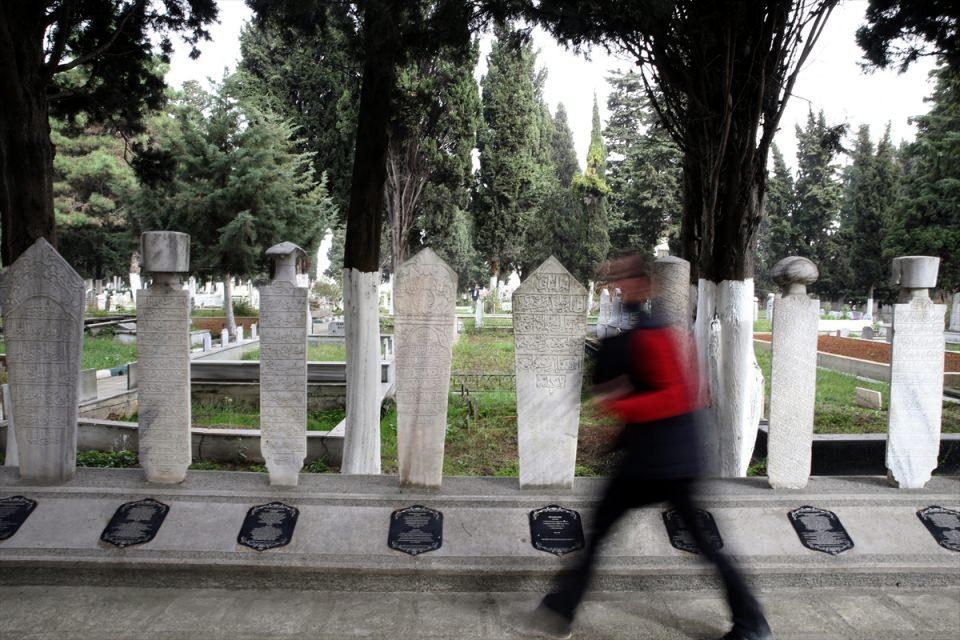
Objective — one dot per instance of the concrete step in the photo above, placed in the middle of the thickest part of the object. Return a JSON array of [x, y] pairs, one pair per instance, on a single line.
[[340, 542]]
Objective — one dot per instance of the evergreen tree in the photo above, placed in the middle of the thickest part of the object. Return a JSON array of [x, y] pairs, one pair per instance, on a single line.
[[644, 170], [777, 236], [564, 154], [592, 190], [926, 217]]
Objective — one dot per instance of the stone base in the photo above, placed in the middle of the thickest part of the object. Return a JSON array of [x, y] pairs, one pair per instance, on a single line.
[[340, 542]]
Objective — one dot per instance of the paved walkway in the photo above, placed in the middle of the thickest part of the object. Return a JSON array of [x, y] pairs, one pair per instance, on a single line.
[[108, 613]]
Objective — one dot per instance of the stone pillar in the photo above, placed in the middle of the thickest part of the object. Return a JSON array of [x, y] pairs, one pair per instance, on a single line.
[[615, 323], [793, 382], [224, 337], [770, 298], [283, 368], [955, 313], [868, 315], [163, 352], [207, 342], [916, 374], [549, 324], [478, 314], [43, 328], [603, 319], [426, 296], [253, 331], [671, 279], [240, 332]]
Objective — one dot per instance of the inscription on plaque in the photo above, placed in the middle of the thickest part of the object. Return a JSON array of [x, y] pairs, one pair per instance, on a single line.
[[556, 530], [681, 537], [415, 530], [943, 524], [135, 523], [820, 530], [268, 526], [13, 513], [549, 319]]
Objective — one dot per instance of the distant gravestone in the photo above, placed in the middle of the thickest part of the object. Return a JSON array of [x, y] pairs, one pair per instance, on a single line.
[[135, 523], [604, 318], [955, 312], [682, 538], [425, 300], [868, 398], [820, 530], [793, 375], [336, 328], [867, 333], [615, 324], [14, 511], [549, 324], [268, 526], [163, 351], [42, 300], [943, 524], [283, 368], [916, 375], [556, 530], [416, 529]]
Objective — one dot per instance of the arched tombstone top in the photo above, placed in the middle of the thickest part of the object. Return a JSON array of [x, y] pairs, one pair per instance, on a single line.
[[285, 255], [426, 286], [41, 272], [793, 274]]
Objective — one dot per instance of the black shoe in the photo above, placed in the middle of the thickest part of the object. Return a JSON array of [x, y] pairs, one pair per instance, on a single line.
[[544, 622], [762, 633]]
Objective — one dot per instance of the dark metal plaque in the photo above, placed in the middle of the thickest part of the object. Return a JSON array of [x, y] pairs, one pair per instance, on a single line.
[[268, 526], [13, 513], [681, 537], [135, 523], [943, 524], [415, 530], [556, 530], [820, 530]]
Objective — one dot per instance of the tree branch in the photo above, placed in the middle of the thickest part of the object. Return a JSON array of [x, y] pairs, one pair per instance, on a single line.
[[87, 57]]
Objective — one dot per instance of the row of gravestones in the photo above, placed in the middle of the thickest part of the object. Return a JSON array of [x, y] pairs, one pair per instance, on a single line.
[[418, 529]]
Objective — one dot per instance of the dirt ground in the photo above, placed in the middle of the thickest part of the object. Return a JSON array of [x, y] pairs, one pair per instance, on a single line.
[[864, 349]]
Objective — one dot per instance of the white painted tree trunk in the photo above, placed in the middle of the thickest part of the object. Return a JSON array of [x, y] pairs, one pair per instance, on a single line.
[[729, 381], [361, 446], [228, 306]]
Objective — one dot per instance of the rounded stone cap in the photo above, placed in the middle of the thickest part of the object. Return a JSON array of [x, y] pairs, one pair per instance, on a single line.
[[284, 249], [165, 252], [916, 272], [794, 270]]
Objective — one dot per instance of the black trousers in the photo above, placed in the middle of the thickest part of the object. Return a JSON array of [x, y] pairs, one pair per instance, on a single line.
[[625, 493]]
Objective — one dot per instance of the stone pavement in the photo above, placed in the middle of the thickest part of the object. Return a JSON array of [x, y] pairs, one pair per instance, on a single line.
[[114, 613]]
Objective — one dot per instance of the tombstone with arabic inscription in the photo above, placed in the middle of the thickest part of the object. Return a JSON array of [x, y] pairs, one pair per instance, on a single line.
[[163, 351], [549, 323], [43, 328]]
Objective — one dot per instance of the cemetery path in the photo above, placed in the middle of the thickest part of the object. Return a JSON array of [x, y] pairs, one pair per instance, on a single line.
[[116, 613], [873, 351]]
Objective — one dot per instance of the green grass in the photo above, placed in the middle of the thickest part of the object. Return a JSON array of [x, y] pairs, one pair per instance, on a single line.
[[227, 415], [316, 352], [101, 352], [762, 325], [469, 324], [482, 352], [953, 347]]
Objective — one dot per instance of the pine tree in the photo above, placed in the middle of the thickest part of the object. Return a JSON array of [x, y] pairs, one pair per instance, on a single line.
[[592, 190], [564, 153], [777, 238]]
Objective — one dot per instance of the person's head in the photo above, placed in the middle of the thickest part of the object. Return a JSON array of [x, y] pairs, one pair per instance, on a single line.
[[631, 274]]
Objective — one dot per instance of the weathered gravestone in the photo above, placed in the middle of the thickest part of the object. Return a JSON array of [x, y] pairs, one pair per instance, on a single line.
[[283, 368], [163, 351], [615, 323], [426, 295], [793, 382], [955, 313], [43, 329], [916, 374], [478, 313], [867, 333], [549, 324], [603, 319]]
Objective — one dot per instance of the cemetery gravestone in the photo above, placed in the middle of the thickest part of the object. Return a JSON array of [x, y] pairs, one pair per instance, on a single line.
[[43, 329], [615, 323], [820, 530], [556, 530], [426, 295], [867, 333], [793, 379], [224, 337], [135, 523], [416, 529], [868, 398], [604, 318], [943, 525], [14, 511], [916, 375], [268, 526], [163, 351], [549, 321], [955, 313], [681, 537], [283, 368]]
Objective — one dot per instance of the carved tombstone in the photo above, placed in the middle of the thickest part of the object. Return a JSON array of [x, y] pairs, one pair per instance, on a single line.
[[916, 374], [549, 324], [793, 382], [283, 368], [163, 352], [43, 328], [426, 295], [671, 277], [603, 319], [955, 313]]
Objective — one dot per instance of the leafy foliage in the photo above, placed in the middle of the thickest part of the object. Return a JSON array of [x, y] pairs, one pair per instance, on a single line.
[[901, 31], [776, 236]]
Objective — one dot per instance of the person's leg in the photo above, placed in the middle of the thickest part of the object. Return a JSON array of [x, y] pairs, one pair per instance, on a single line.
[[748, 618]]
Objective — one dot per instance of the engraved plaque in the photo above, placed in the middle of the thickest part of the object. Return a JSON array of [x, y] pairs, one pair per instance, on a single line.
[[556, 530], [820, 530], [682, 538], [135, 523], [425, 298], [415, 530], [268, 526], [13, 513], [42, 299], [550, 324], [943, 524]]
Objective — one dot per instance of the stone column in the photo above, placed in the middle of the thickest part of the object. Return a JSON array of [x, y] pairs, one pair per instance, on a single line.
[[770, 298], [603, 319], [163, 352], [478, 314], [224, 337], [43, 328], [550, 326], [955, 313], [916, 374], [793, 382], [615, 324], [426, 295], [671, 279], [868, 315], [283, 368]]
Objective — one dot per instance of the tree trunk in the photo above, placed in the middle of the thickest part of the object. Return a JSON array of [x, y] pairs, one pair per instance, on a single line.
[[228, 306], [26, 153]]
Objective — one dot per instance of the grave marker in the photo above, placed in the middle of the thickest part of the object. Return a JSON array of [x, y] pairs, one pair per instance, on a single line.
[[268, 526], [820, 530], [14, 511], [943, 524], [556, 530], [416, 529], [681, 537], [135, 523]]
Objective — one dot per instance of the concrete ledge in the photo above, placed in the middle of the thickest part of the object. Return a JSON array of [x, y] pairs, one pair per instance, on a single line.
[[340, 540]]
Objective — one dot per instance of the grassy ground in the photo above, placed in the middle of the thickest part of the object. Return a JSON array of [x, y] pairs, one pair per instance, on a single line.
[[101, 352], [483, 352], [469, 324], [316, 352], [226, 415]]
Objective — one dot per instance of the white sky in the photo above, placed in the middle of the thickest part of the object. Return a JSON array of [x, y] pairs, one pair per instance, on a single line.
[[831, 80]]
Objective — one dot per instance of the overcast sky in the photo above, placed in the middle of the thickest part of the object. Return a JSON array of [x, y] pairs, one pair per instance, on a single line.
[[832, 79]]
